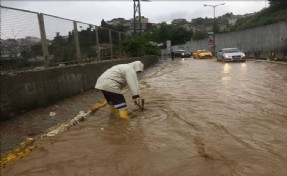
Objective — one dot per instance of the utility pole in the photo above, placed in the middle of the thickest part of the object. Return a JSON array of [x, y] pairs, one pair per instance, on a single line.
[[137, 10], [137, 13]]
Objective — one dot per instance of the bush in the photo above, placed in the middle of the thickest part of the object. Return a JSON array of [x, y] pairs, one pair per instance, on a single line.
[[139, 45]]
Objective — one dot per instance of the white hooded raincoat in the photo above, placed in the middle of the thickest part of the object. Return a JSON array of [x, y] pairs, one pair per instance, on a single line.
[[117, 77]]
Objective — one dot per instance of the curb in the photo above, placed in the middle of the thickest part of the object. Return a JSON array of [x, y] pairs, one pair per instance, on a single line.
[[21, 151], [269, 61], [278, 62], [76, 120], [26, 147]]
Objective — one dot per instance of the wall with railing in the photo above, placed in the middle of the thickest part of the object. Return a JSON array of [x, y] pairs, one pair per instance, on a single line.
[[32, 40], [45, 59], [31, 89]]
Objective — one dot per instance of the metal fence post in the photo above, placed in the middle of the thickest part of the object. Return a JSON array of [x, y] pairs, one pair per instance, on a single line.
[[43, 39], [111, 44], [98, 45], [78, 51], [120, 47]]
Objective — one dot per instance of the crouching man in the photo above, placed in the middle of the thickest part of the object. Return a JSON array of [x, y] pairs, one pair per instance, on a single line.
[[112, 81]]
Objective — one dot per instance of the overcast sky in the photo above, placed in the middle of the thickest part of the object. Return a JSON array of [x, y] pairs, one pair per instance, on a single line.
[[156, 10]]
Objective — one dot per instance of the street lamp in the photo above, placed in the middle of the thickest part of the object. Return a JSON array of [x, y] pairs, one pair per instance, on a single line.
[[213, 6]]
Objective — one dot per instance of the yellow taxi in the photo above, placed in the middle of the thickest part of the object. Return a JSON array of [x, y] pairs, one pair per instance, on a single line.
[[202, 54]]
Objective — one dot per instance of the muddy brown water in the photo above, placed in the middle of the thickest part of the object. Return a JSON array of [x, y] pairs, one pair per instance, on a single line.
[[202, 118]]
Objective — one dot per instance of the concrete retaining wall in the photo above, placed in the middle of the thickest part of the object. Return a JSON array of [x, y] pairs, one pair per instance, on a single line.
[[28, 90], [256, 42]]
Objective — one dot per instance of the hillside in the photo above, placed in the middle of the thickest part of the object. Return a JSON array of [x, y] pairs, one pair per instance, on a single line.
[[266, 16]]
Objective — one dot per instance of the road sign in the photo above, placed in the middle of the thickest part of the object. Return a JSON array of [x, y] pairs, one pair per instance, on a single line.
[[168, 44], [210, 42]]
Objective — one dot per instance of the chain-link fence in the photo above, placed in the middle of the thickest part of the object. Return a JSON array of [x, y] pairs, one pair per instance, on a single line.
[[60, 41], [33, 40], [20, 40]]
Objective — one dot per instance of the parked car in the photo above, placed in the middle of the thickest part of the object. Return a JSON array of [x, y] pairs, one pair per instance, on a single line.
[[230, 54], [202, 54], [182, 53]]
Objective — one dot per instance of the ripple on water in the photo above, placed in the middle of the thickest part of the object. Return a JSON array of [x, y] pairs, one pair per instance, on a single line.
[[156, 115]]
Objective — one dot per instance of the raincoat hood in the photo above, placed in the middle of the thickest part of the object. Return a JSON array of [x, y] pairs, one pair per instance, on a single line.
[[137, 65], [117, 77]]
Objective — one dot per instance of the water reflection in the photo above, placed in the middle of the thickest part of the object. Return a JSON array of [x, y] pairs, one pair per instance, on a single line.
[[226, 68], [243, 66], [226, 78]]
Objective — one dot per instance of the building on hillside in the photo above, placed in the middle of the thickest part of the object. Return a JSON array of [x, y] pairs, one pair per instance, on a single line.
[[180, 21], [28, 41], [120, 21], [232, 21], [12, 48], [129, 23], [209, 28], [199, 28], [158, 25], [9, 48], [144, 22], [222, 24], [246, 15], [32, 40], [116, 21], [151, 26], [188, 26]]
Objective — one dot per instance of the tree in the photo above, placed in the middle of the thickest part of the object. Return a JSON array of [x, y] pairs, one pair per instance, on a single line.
[[139, 45], [87, 43], [270, 15], [198, 21], [177, 34], [278, 2], [62, 48], [216, 27], [198, 35], [36, 50], [103, 23]]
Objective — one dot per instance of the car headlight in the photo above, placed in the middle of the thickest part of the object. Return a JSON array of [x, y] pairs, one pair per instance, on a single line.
[[227, 56], [243, 55]]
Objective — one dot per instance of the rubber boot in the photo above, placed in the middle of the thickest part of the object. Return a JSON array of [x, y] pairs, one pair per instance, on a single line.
[[123, 114], [113, 110]]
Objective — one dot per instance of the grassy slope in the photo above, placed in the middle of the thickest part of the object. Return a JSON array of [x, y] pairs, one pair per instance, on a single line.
[[264, 17]]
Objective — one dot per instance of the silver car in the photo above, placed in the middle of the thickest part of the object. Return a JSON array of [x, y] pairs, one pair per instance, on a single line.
[[230, 54]]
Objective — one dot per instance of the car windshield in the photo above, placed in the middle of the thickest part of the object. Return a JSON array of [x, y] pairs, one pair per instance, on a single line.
[[203, 51], [231, 50]]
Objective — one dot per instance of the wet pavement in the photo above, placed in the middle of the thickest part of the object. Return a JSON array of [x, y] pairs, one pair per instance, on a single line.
[[38, 122], [201, 117]]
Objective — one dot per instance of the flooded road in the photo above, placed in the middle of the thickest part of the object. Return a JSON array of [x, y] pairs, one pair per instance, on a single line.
[[202, 118]]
